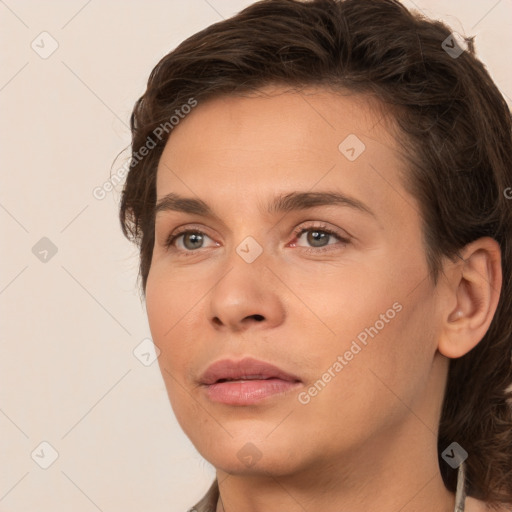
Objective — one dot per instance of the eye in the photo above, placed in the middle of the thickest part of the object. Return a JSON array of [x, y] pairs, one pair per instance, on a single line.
[[188, 241], [191, 240], [319, 236]]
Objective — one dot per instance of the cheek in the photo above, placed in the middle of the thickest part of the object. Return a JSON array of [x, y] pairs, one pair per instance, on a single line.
[[175, 310], [396, 361], [158, 309], [170, 304], [347, 304], [166, 309], [380, 382], [384, 334]]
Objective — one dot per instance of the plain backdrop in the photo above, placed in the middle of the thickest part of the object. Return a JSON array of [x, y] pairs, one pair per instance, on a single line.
[[74, 396]]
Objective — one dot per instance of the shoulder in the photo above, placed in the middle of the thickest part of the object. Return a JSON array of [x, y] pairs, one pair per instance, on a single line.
[[474, 505]]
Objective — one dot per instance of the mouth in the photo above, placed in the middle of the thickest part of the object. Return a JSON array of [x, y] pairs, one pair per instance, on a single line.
[[246, 382]]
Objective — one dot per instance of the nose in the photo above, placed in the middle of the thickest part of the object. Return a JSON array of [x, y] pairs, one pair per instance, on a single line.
[[248, 296]]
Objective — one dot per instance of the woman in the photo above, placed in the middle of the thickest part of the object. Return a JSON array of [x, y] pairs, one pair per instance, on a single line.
[[320, 194]]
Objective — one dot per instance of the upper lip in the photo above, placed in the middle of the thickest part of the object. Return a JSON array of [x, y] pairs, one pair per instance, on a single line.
[[244, 369]]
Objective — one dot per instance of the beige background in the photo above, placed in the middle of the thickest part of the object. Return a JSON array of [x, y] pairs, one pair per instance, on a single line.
[[70, 324]]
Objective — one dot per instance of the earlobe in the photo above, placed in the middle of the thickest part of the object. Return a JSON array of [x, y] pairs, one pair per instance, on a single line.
[[456, 315], [474, 285]]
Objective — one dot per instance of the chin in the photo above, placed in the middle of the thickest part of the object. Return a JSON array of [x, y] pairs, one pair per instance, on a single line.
[[249, 453], [276, 465]]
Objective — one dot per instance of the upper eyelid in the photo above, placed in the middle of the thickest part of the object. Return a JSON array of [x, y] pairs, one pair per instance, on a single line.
[[338, 233], [324, 226]]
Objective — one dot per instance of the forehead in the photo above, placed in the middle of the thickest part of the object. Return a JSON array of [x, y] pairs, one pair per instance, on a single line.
[[233, 149]]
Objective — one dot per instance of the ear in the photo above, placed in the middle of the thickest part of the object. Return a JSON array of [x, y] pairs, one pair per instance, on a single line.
[[471, 295]]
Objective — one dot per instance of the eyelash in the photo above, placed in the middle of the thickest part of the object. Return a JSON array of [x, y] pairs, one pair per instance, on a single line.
[[322, 229], [297, 234]]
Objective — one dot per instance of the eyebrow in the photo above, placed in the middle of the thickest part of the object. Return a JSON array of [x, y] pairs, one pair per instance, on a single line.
[[283, 203]]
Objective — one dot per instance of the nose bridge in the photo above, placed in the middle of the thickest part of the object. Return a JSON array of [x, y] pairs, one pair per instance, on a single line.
[[246, 265], [246, 290], [251, 236], [250, 250]]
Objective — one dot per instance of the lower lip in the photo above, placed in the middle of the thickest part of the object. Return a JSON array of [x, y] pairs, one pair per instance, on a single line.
[[247, 392]]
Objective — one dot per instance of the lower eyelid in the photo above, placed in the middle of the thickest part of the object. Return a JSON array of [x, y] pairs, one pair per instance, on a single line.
[[344, 239], [171, 241]]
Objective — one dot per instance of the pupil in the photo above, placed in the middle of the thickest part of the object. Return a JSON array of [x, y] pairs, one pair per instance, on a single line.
[[193, 237], [316, 236]]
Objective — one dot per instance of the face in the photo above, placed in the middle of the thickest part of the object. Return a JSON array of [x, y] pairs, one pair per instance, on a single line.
[[334, 292]]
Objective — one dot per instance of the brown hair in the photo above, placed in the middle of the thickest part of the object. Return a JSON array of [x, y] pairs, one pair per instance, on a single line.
[[454, 126]]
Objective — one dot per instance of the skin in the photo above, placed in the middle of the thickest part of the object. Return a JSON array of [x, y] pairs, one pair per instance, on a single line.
[[367, 440]]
